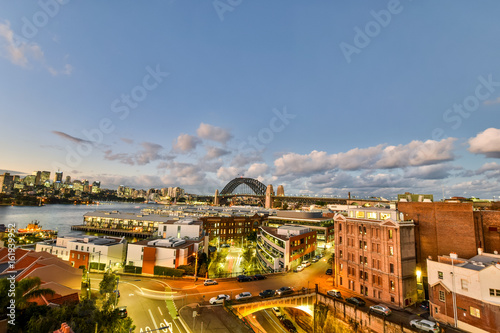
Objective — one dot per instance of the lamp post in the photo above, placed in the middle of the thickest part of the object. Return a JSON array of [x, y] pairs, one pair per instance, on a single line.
[[453, 293]]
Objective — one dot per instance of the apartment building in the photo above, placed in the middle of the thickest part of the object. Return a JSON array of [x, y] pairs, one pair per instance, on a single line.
[[285, 247], [375, 256], [125, 221], [466, 292], [231, 229]]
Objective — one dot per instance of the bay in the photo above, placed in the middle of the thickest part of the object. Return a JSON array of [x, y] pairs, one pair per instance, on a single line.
[[61, 217]]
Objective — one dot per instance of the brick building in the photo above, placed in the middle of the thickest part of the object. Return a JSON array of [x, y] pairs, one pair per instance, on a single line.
[[466, 290], [375, 256], [231, 229], [441, 228], [487, 223]]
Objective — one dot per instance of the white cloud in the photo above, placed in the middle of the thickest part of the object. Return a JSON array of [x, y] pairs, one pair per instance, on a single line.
[[486, 143], [185, 143], [215, 152], [24, 53], [228, 173], [257, 170], [209, 132]]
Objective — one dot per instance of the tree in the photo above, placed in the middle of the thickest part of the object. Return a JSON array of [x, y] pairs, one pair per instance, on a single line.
[[252, 236], [331, 259]]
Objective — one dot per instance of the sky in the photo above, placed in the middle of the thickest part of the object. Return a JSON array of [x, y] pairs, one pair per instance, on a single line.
[[324, 97]]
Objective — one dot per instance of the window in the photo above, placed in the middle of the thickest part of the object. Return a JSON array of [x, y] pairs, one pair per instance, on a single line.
[[360, 230], [340, 226], [475, 312], [78, 255], [340, 254], [392, 299], [84, 257], [391, 250], [340, 280], [390, 233], [392, 285], [440, 275], [360, 215], [360, 244], [364, 230], [442, 296], [391, 268], [465, 284], [72, 255], [361, 260], [340, 240], [494, 292]]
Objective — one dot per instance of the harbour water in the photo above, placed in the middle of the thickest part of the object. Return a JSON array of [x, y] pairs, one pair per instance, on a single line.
[[61, 217]]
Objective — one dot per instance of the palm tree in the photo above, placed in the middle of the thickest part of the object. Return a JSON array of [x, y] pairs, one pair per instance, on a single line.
[[29, 288]]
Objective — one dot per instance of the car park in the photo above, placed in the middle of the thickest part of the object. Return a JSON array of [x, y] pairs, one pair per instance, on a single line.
[[306, 263], [334, 293], [289, 326], [243, 295], [267, 293], [424, 325], [381, 309], [329, 271], [243, 278], [277, 312], [122, 312], [259, 277], [219, 299], [284, 291], [210, 282], [356, 301]]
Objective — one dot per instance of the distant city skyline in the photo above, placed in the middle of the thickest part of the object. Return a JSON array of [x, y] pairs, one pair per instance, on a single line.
[[373, 98]]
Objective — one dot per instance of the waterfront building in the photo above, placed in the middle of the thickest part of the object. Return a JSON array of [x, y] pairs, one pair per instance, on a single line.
[[375, 256], [314, 220], [87, 251], [285, 247], [117, 221], [466, 292]]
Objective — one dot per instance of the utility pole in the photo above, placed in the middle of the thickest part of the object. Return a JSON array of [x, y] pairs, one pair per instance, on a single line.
[[196, 267], [454, 294]]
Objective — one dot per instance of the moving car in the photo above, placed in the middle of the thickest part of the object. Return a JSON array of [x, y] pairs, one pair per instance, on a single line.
[[381, 309], [267, 293], [122, 312], [306, 263], [334, 293], [356, 301], [243, 278], [210, 282], [259, 277], [284, 291], [243, 295], [219, 299], [425, 325], [289, 326], [329, 271], [277, 312]]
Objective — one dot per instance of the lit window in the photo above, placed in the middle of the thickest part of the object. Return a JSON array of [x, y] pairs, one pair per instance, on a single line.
[[392, 285], [391, 250], [384, 216], [372, 215], [360, 214], [475, 312], [442, 296], [390, 233], [440, 275]]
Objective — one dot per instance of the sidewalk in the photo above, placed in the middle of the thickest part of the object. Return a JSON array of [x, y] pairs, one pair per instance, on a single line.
[[214, 319]]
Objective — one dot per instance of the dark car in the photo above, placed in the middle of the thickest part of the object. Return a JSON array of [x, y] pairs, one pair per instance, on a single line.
[[329, 271], [243, 278], [267, 293], [122, 312], [225, 245], [356, 301], [259, 277], [284, 291], [289, 326], [424, 305]]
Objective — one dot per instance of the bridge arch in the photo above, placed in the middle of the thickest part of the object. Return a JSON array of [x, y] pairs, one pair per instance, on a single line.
[[257, 187], [303, 302]]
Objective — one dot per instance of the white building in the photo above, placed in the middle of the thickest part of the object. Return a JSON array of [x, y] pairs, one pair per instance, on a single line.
[[185, 229]]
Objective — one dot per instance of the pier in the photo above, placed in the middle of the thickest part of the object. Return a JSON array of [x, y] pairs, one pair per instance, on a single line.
[[113, 232]]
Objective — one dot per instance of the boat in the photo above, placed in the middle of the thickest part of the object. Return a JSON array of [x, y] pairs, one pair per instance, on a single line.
[[35, 229]]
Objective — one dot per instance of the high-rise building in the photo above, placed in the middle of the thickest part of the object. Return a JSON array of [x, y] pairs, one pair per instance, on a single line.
[[38, 177], [6, 183], [68, 180], [44, 176], [58, 176]]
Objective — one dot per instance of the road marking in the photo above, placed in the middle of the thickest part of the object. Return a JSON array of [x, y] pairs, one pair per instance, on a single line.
[[160, 311], [154, 322]]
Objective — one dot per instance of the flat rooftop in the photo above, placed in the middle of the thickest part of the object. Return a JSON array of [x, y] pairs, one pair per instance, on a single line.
[[130, 216]]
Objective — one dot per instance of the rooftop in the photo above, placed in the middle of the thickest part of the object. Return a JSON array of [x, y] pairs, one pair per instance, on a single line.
[[129, 216]]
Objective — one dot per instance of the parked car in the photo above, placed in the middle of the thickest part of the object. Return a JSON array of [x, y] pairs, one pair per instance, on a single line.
[[284, 291], [289, 326], [277, 312], [315, 259], [225, 245], [329, 271], [300, 268], [306, 263], [243, 295], [210, 282], [381, 309], [243, 278], [425, 305], [267, 293], [219, 299], [334, 293], [259, 277], [356, 301], [425, 325], [122, 312]]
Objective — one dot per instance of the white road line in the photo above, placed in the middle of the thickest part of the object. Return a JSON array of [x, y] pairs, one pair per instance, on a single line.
[[173, 321], [154, 322], [160, 311]]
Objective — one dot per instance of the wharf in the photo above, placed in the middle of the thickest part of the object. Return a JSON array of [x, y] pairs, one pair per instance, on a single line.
[[114, 232]]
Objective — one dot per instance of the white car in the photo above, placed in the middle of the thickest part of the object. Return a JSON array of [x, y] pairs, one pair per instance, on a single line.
[[219, 299], [306, 263], [425, 325], [210, 282], [381, 309], [300, 268], [243, 296]]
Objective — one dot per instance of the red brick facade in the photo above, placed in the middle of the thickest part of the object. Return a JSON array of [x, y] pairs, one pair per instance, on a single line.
[[79, 258], [488, 229], [149, 260]]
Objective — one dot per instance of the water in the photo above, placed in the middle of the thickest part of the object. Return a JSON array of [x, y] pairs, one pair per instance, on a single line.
[[61, 217]]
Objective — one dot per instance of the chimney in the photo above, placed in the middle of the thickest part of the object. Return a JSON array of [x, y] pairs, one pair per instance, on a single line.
[[453, 255], [479, 250]]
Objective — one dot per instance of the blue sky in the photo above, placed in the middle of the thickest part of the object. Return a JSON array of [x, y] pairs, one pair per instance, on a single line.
[[324, 97]]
